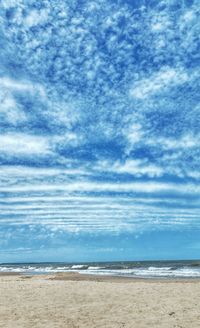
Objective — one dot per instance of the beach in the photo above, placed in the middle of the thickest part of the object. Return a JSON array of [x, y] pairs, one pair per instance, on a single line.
[[72, 300]]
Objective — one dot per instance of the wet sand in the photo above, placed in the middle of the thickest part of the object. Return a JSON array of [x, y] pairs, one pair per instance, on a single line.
[[71, 300]]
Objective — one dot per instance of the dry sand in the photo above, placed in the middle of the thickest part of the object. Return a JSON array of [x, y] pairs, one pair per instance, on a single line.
[[73, 300]]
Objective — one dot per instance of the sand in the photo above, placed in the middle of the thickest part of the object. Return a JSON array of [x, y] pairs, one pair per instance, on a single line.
[[72, 301]]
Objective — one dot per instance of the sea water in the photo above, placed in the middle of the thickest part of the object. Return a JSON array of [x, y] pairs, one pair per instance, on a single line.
[[135, 269]]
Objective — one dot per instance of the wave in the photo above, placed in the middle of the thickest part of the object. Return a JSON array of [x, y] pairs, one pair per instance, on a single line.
[[78, 266], [132, 269], [145, 273]]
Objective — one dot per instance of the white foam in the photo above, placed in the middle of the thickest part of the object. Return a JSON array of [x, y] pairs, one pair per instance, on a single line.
[[159, 269], [94, 268], [148, 272], [78, 266]]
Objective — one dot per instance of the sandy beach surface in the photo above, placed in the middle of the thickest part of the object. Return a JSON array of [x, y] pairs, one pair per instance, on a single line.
[[73, 300]]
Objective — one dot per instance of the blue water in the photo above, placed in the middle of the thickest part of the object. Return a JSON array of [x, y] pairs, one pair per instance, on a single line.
[[143, 269]]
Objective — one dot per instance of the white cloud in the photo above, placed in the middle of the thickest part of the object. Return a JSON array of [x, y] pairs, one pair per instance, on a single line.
[[186, 141], [85, 186], [138, 168], [10, 111], [161, 22], [23, 144], [20, 171], [167, 77], [9, 83], [69, 138], [187, 18], [134, 133], [36, 17], [21, 86], [10, 3]]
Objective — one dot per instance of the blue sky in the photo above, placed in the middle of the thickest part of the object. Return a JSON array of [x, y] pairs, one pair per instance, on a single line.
[[99, 130]]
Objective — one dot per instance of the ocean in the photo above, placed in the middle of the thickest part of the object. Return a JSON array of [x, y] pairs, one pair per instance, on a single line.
[[134, 269]]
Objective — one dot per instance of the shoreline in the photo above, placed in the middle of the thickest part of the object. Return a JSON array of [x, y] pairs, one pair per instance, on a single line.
[[76, 276]]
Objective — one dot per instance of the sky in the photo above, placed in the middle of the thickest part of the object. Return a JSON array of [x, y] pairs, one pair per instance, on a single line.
[[99, 130]]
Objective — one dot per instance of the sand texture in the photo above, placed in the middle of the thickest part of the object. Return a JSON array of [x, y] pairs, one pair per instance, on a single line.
[[71, 301]]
